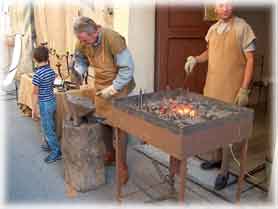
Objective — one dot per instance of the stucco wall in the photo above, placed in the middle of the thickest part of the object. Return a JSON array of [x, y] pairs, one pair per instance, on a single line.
[[139, 32]]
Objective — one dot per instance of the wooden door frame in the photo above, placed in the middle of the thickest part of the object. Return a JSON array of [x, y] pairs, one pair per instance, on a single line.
[[161, 15], [161, 43]]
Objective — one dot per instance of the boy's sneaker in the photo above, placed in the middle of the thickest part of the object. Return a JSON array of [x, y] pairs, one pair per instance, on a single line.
[[45, 148], [53, 157]]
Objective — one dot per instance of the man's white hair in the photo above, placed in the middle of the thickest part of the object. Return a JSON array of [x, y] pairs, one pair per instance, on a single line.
[[84, 24], [223, 2]]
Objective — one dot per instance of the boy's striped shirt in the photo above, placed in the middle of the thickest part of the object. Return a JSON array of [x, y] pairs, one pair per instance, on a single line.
[[44, 78]]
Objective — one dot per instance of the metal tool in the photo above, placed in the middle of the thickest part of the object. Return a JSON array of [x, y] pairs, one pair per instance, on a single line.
[[140, 99]]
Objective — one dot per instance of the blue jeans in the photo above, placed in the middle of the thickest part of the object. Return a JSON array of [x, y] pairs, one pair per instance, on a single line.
[[47, 111]]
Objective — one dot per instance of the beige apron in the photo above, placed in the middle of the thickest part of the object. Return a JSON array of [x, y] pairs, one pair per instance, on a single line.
[[105, 72], [226, 64]]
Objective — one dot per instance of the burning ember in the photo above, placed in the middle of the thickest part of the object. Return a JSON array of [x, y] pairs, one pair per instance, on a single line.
[[184, 111], [173, 107]]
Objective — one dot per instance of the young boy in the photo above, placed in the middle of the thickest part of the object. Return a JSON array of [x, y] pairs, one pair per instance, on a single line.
[[43, 95]]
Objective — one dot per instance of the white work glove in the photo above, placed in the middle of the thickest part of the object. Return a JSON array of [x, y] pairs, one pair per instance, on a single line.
[[190, 64], [107, 92]]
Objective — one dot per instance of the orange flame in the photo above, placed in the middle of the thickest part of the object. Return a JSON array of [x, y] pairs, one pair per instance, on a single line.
[[184, 110], [193, 113]]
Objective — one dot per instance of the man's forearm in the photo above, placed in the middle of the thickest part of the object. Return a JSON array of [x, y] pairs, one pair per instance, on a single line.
[[203, 57], [248, 71]]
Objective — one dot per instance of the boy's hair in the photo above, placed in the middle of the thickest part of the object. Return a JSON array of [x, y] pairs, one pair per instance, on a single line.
[[41, 54]]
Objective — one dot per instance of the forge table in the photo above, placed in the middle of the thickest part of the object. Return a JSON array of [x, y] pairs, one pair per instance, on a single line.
[[182, 142]]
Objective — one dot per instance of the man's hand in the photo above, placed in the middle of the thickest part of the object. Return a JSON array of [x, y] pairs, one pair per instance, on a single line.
[[107, 92], [190, 64], [242, 97]]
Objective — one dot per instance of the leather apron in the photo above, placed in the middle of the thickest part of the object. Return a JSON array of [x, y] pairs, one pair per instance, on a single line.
[[105, 72], [226, 64]]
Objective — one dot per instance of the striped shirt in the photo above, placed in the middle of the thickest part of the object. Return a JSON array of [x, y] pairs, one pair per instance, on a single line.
[[44, 79]]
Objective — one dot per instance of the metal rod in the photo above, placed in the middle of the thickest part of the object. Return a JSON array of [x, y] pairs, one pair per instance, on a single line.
[[140, 99], [67, 62], [142, 95]]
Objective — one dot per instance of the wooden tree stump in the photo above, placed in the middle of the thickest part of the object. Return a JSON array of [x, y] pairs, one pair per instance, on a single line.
[[83, 150]]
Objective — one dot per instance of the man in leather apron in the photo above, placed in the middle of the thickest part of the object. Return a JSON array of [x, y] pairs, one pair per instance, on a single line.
[[106, 51], [230, 56]]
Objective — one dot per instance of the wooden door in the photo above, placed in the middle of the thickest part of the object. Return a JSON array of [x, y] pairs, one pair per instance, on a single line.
[[180, 32]]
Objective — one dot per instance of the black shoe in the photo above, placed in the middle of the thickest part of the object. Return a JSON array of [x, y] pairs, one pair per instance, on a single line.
[[208, 165], [45, 148], [52, 157], [221, 181]]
